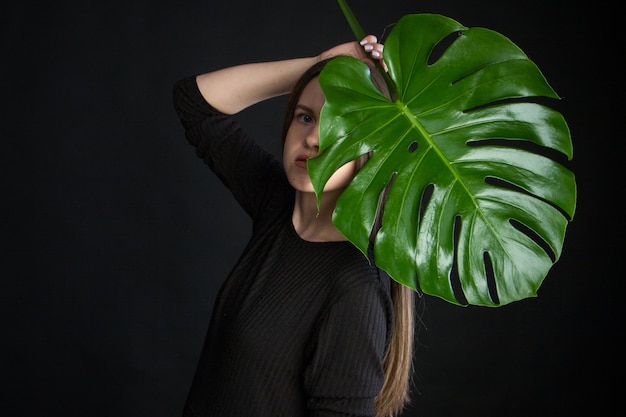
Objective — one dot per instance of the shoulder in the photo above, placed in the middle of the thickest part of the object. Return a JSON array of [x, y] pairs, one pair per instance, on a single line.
[[357, 267], [355, 276], [359, 302]]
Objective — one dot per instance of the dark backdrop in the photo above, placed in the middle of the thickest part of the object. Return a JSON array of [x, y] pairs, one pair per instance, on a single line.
[[115, 237]]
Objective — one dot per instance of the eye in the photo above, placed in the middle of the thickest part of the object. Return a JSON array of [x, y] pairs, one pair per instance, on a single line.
[[304, 117]]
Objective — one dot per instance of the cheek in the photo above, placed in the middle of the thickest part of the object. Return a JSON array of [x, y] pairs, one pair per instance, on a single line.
[[290, 137], [288, 141]]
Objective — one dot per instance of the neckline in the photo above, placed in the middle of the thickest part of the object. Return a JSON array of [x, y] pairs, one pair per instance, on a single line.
[[295, 234]]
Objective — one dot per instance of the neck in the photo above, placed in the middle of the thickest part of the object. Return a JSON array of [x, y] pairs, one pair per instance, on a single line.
[[312, 224]]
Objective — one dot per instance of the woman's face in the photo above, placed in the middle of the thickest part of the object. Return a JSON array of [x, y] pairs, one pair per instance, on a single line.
[[302, 143]]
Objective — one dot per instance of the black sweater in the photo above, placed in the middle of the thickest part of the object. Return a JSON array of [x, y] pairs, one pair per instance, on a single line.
[[299, 328]]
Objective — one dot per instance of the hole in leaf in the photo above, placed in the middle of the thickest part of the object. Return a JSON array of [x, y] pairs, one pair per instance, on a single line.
[[491, 279], [498, 182], [413, 147], [441, 46], [426, 196], [542, 100], [535, 238], [380, 209], [526, 145], [455, 281]]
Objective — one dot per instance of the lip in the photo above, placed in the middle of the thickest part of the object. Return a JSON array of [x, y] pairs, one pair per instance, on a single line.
[[301, 161]]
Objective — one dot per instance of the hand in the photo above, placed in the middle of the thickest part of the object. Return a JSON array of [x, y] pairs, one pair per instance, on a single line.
[[371, 45], [368, 50]]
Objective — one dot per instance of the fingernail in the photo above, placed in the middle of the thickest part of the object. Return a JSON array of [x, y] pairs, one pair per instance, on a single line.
[[376, 54], [363, 42], [368, 47]]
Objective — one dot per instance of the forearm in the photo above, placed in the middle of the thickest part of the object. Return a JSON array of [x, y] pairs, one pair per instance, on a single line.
[[232, 89]]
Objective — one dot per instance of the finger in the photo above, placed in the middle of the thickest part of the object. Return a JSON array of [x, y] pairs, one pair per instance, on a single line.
[[377, 50], [369, 39]]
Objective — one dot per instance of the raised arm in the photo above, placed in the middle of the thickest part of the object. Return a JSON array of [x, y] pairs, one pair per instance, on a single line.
[[232, 89]]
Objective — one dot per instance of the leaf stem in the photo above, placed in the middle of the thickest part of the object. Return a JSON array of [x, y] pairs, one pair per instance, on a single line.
[[354, 24]]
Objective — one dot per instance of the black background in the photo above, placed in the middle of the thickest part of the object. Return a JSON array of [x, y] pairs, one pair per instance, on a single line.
[[115, 237]]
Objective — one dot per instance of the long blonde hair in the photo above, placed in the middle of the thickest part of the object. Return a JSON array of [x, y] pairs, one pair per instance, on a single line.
[[398, 360]]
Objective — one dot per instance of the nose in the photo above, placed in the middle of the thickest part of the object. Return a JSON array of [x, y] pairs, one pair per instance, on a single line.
[[312, 139]]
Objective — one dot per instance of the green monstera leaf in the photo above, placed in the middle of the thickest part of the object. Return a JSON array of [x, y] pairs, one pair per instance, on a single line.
[[475, 210]]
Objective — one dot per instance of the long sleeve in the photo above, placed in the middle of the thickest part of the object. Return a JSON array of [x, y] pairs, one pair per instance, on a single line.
[[253, 175]]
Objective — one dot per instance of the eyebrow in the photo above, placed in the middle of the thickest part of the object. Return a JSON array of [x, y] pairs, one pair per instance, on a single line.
[[304, 107]]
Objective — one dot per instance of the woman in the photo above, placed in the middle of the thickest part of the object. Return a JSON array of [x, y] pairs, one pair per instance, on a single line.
[[305, 325]]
